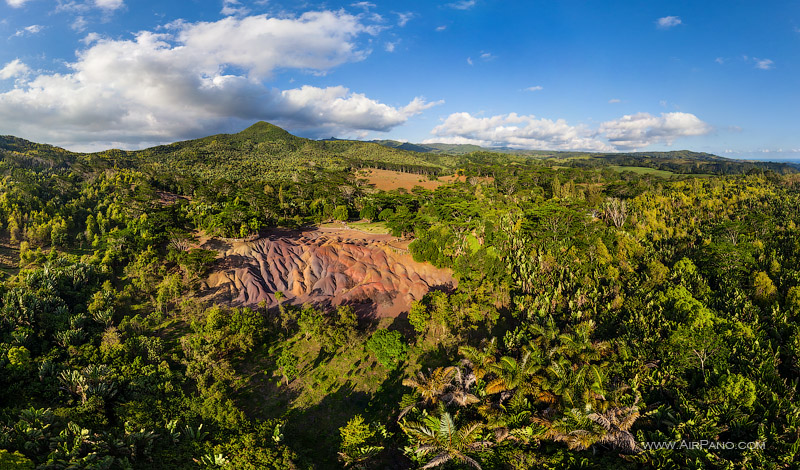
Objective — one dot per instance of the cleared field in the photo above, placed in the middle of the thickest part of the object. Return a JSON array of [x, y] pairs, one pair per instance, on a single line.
[[643, 170], [388, 180], [378, 228]]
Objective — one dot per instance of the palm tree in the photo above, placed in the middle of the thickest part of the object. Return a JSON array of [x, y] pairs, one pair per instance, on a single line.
[[617, 422], [459, 390], [511, 420], [439, 436], [477, 360], [512, 374], [580, 429], [430, 388]]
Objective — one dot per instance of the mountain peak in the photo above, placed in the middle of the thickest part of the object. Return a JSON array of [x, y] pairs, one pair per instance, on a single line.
[[264, 131]]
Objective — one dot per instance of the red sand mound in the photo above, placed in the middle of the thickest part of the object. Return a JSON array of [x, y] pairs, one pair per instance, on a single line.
[[326, 266]]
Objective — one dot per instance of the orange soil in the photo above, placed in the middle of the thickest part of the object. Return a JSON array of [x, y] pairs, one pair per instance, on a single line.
[[327, 267]]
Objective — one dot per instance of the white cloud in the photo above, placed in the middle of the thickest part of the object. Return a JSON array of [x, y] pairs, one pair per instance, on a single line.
[[404, 18], [390, 46], [13, 69], [463, 4], [614, 101], [91, 38], [79, 24], [515, 131], [720, 60], [233, 7], [441, 28], [109, 4], [339, 109], [529, 132], [643, 129], [469, 60], [535, 88], [365, 5], [32, 29], [16, 3], [487, 56], [764, 64], [668, 22], [199, 78], [418, 105]]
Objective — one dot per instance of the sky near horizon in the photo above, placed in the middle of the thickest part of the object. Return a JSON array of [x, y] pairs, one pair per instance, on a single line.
[[712, 76]]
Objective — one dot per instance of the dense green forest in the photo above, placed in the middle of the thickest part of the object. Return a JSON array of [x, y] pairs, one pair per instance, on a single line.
[[605, 316]]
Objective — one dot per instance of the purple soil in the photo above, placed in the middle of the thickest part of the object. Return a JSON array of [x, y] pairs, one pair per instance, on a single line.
[[331, 267]]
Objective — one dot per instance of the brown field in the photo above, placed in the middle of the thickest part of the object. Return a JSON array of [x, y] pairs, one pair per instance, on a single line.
[[388, 180]]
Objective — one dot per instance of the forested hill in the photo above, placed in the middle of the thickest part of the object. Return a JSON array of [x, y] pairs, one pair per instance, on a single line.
[[266, 150], [27, 154], [273, 153], [677, 161]]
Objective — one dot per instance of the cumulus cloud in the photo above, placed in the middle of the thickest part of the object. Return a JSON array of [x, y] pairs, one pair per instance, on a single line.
[[13, 69], [441, 28], [516, 131], [614, 101], [198, 78], [529, 132], [643, 129], [16, 3], [668, 22], [535, 88]]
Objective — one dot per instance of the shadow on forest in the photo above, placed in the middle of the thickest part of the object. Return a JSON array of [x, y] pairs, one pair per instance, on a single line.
[[316, 429], [314, 432]]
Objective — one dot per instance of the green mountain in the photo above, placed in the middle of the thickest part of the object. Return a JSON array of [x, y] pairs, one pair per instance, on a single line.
[[265, 151]]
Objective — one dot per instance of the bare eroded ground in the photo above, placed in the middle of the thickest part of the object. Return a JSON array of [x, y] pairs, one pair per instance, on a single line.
[[324, 266]]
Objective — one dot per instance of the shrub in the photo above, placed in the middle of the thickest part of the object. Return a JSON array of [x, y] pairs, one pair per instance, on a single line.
[[388, 347]]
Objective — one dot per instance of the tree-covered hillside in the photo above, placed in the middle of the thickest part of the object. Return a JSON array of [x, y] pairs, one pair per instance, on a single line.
[[603, 317]]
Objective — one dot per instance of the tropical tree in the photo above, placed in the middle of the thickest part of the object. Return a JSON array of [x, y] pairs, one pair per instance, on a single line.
[[430, 388], [439, 437]]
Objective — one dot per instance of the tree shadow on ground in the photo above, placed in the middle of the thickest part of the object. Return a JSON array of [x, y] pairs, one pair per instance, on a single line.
[[314, 432]]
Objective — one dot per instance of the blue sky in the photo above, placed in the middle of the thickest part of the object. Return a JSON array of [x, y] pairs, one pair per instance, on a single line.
[[714, 76]]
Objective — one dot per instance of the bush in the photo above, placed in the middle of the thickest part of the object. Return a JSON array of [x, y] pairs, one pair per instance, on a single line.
[[341, 213], [388, 347], [14, 461]]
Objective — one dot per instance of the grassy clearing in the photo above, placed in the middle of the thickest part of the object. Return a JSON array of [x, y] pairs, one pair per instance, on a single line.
[[388, 180], [371, 227], [643, 171], [9, 260], [377, 228]]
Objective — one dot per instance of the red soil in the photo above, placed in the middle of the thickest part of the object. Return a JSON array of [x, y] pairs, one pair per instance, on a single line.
[[325, 266]]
